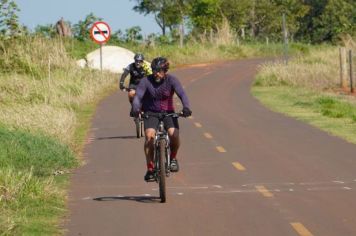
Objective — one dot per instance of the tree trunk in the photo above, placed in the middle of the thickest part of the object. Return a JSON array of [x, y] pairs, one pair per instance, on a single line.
[[252, 20]]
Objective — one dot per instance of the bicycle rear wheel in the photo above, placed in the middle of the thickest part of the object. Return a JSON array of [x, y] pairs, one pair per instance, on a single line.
[[162, 172]]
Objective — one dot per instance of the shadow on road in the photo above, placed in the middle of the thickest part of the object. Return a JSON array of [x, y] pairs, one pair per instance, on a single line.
[[118, 137], [142, 199]]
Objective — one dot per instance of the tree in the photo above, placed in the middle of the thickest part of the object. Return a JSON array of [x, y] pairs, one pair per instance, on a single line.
[[167, 13], [133, 34], [9, 20], [337, 18], [81, 29], [205, 14], [48, 31], [237, 13], [117, 36]]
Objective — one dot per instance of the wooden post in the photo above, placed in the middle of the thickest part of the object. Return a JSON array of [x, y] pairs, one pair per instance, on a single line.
[[343, 68], [351, 72], [181, 34], [285, 37]]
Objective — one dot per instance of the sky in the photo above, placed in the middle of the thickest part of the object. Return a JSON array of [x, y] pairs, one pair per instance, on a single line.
[[117, 13]]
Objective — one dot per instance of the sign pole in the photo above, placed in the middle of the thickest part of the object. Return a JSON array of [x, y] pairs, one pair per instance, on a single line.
[[101, 57], [100, 33]]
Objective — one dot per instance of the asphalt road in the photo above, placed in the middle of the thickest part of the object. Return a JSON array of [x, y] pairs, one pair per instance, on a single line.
[[244, 169]]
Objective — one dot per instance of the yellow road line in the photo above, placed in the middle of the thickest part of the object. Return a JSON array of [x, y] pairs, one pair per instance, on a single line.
[[220, 149], [302, 231], [264, 191], [191, 117], [238, 166], [197, 124], [207, 135]]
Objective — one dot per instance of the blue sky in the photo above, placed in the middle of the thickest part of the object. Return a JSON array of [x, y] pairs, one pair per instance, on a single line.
[[117, 13]]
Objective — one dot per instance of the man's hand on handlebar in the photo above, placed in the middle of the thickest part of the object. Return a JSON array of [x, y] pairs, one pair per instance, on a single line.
[[122, 88], [134, 114], [186, 112]]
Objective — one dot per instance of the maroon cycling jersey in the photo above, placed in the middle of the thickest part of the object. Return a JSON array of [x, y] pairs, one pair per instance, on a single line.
[[158, 96]]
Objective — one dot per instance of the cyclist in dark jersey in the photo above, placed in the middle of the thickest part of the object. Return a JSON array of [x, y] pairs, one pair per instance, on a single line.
[[137, 70], [154, 94]]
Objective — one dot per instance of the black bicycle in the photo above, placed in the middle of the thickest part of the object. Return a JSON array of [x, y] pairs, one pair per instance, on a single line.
[[139, 126], [138, 122], [162, 153]]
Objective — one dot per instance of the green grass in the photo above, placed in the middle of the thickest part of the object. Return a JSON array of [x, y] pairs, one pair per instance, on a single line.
[[44, 119], [46, 105], [31, 198], [305, 89], [23, 151], [330, 113]]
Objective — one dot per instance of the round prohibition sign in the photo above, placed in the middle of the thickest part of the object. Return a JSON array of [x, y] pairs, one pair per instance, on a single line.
[[100, 32]]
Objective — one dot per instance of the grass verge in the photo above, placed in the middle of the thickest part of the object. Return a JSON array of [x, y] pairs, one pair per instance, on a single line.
[[305, 89], [46, 103], [330, 113], [31, 198]]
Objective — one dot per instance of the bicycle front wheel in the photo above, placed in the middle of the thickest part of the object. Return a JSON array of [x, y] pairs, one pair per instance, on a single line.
[[142, 128], [162, 172], [138, 128]]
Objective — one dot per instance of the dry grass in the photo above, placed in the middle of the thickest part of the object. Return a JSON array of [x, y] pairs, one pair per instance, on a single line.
[[18, 192], [44, 87], [319, 70]]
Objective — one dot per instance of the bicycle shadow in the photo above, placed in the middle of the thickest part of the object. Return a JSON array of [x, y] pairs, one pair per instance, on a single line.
[[141, 199], [117, 137]]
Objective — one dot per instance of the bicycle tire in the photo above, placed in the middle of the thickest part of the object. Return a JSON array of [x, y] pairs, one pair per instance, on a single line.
[[138, 128], [142, 128], [162, 172]]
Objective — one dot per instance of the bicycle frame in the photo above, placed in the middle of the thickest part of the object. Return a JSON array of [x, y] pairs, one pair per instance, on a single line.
[[161, 133]]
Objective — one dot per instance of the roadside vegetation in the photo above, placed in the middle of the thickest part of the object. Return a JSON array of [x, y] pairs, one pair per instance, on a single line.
[[308, 88], [46, 101]]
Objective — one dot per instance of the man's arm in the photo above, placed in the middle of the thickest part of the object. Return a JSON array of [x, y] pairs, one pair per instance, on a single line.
[[140, 91], [180, 92], [123, 76]]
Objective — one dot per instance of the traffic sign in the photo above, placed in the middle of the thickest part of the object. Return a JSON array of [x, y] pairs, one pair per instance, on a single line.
[[100, 32]]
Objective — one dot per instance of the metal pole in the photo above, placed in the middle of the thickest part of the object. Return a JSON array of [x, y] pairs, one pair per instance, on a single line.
[[101, 57], [285, 36], [351, 73]]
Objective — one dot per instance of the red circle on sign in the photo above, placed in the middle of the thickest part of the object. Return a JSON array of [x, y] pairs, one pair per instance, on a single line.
[[103, 33]]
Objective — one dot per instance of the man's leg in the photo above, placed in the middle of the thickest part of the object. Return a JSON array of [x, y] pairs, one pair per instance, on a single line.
[[174, 145], [131, 95], [149, 149], [175, 141]]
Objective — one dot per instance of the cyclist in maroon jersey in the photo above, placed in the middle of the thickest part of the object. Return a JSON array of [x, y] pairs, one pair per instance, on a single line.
[[154, 94]]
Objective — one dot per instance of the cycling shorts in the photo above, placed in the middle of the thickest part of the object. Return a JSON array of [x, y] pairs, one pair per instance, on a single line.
[[152, 122]]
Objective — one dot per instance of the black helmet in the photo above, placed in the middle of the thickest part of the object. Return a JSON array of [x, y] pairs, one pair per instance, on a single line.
[[139, 57], [160, 63]]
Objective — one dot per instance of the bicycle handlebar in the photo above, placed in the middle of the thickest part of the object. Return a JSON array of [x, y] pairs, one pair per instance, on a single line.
[[163, 115]]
